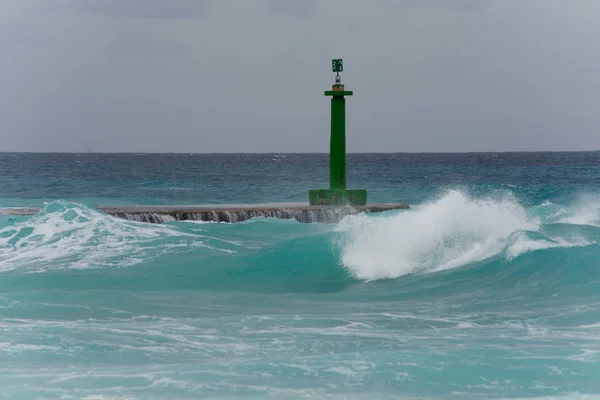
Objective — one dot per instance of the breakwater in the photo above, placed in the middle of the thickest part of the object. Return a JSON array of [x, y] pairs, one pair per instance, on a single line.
[[231, 213]]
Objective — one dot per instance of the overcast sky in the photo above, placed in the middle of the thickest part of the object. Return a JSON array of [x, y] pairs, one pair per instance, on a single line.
[[249, 75]]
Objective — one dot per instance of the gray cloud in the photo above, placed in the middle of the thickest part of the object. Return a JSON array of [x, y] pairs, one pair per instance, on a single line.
[[138, 44], [453, 5], [184, 9], [302, 8], [513, 75]]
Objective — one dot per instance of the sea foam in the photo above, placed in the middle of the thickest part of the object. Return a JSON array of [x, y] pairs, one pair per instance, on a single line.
[[75, 237], [451, 231]]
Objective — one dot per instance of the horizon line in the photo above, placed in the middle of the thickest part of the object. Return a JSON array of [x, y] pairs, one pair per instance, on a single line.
[[302, 153]]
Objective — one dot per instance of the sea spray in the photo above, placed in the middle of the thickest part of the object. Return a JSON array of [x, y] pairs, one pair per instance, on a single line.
[[584, 210], [523, 243], [72, 236], [449, 232]]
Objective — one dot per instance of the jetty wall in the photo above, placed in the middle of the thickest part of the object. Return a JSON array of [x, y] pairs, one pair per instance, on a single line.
[[231, 213]]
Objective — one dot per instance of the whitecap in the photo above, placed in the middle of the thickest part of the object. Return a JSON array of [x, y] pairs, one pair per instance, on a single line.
[[449, 232], [72, 236]]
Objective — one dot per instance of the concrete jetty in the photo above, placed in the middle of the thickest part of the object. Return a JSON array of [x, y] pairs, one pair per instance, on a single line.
[[231, 213]]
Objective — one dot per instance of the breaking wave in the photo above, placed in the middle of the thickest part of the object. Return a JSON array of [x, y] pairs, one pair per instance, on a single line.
[[70, 236], [449, 232]]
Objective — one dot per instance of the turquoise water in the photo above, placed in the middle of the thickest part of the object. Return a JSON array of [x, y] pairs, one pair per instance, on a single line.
[[489, 287]]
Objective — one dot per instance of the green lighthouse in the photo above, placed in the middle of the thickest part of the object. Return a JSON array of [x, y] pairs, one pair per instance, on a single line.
[[337, 194]]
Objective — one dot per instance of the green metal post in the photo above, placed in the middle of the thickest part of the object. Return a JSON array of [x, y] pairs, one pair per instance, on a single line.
[[337, 146], [337, 194]]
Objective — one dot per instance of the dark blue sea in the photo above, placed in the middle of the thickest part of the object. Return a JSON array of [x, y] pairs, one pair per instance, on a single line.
[[487, 288]]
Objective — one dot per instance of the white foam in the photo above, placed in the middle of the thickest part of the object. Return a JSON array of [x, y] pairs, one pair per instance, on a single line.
[[524, 245], [449, 232], [584, 211], [564, 396], [342, 371], [75, 237]]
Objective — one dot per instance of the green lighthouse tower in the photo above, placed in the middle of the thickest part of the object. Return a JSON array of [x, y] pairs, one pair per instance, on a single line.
[[337, 194]]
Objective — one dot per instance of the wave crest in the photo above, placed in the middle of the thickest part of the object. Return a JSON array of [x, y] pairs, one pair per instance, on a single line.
[[451, 231], [76, 237], [585, 211]]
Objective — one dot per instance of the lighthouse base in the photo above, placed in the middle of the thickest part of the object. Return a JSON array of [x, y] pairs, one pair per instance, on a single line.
[[337, 197]]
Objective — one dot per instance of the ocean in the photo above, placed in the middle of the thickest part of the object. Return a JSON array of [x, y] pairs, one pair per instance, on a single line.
[[487, 288]]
